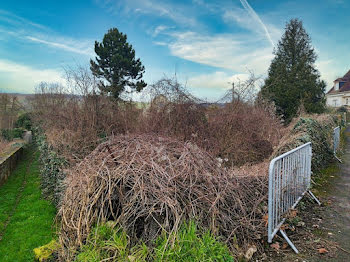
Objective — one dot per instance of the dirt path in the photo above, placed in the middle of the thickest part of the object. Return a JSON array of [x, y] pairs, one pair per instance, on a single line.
[[336, 215]]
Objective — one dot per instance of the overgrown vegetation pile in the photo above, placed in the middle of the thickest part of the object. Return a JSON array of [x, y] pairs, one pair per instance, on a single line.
[[243, 133], [240, 131], [151, 184], [175, 160], [317, 129], [150, 168], [74, 124]]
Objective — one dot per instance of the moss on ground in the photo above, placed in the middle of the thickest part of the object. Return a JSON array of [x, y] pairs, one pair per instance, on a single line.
[[26, 220], [323, 179], [45, 253]]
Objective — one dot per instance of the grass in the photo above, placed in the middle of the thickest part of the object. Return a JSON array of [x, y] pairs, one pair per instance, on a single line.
[[26, 220], [324, 178], [188, 244], [191, 245]]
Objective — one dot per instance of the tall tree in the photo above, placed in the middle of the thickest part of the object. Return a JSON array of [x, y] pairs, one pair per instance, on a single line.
[[293, 81], [116, 66]]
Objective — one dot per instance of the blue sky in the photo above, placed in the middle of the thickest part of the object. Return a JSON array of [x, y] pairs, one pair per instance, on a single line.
[[207, 43]]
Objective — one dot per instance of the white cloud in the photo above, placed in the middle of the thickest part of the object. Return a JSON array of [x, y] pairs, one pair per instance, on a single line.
[[160, 29], [235, 52], [218, 79], [175, 12], [22, 78], [241, 18], [330, 70], [21, 28], [75, 46]]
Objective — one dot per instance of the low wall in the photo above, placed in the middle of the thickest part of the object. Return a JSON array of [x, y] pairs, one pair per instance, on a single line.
[[8, 164]]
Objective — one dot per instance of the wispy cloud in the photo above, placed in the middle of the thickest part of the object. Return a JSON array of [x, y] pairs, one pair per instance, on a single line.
[[24, 29], [75, 46], [174, 12], [235, 52], [160, 28], [14, 20], [256, 18], [23, 78]]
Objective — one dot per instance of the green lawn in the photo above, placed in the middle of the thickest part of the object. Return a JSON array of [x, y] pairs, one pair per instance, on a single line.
[[26, 219]]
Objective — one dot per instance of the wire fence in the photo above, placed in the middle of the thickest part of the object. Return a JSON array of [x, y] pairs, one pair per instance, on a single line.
[[289, 180]]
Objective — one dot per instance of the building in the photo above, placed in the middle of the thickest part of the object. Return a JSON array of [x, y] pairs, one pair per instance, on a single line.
[[339, 95]]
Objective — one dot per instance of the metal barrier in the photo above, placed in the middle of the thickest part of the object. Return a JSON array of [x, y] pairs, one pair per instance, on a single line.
[[289, 180], [336, 139], [336, 142]]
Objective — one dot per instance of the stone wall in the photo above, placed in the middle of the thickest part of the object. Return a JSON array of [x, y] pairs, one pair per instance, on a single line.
[[8, 164]]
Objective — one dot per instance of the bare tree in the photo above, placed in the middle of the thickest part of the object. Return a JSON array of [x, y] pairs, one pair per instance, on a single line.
[[10, 107], [243, 90]]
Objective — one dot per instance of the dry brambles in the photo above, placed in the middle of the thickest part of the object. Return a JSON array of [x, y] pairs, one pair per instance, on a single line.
[[148, 184]]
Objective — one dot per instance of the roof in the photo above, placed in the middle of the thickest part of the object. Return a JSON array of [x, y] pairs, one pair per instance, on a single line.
[[345, 87]]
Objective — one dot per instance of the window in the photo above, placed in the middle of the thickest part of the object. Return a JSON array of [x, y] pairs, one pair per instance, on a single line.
[[335, 102], [347, 101]]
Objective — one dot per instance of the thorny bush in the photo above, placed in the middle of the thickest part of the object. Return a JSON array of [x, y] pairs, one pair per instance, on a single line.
[[149, 184]]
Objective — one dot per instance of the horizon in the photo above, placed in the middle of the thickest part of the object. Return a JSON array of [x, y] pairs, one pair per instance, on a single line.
[[206, 45]]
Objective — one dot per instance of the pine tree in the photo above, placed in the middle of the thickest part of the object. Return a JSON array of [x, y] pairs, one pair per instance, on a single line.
[[116, 66], [293, 81]]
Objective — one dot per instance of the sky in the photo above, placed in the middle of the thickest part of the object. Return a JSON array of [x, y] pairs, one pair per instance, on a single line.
[[207, 44]]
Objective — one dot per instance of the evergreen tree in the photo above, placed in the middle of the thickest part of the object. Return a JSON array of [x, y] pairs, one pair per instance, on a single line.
[[293, 81], [116, 66]]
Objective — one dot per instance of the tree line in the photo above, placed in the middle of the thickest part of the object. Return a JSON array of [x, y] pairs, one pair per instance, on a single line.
[[293, 83]]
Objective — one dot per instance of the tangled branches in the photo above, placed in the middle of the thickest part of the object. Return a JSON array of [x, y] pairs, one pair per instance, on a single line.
[[151, 184]]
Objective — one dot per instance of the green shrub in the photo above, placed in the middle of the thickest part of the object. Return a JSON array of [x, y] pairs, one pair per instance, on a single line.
[[51, 170], [24, 121], [318, 131], [320, 134], [10, 134]]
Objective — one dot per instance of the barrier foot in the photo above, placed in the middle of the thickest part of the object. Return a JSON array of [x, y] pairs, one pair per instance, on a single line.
[[288, 241], [337, 158], [313, 196]]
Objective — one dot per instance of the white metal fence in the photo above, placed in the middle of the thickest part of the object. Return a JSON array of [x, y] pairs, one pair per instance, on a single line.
[[289, 180], [336, 139]]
